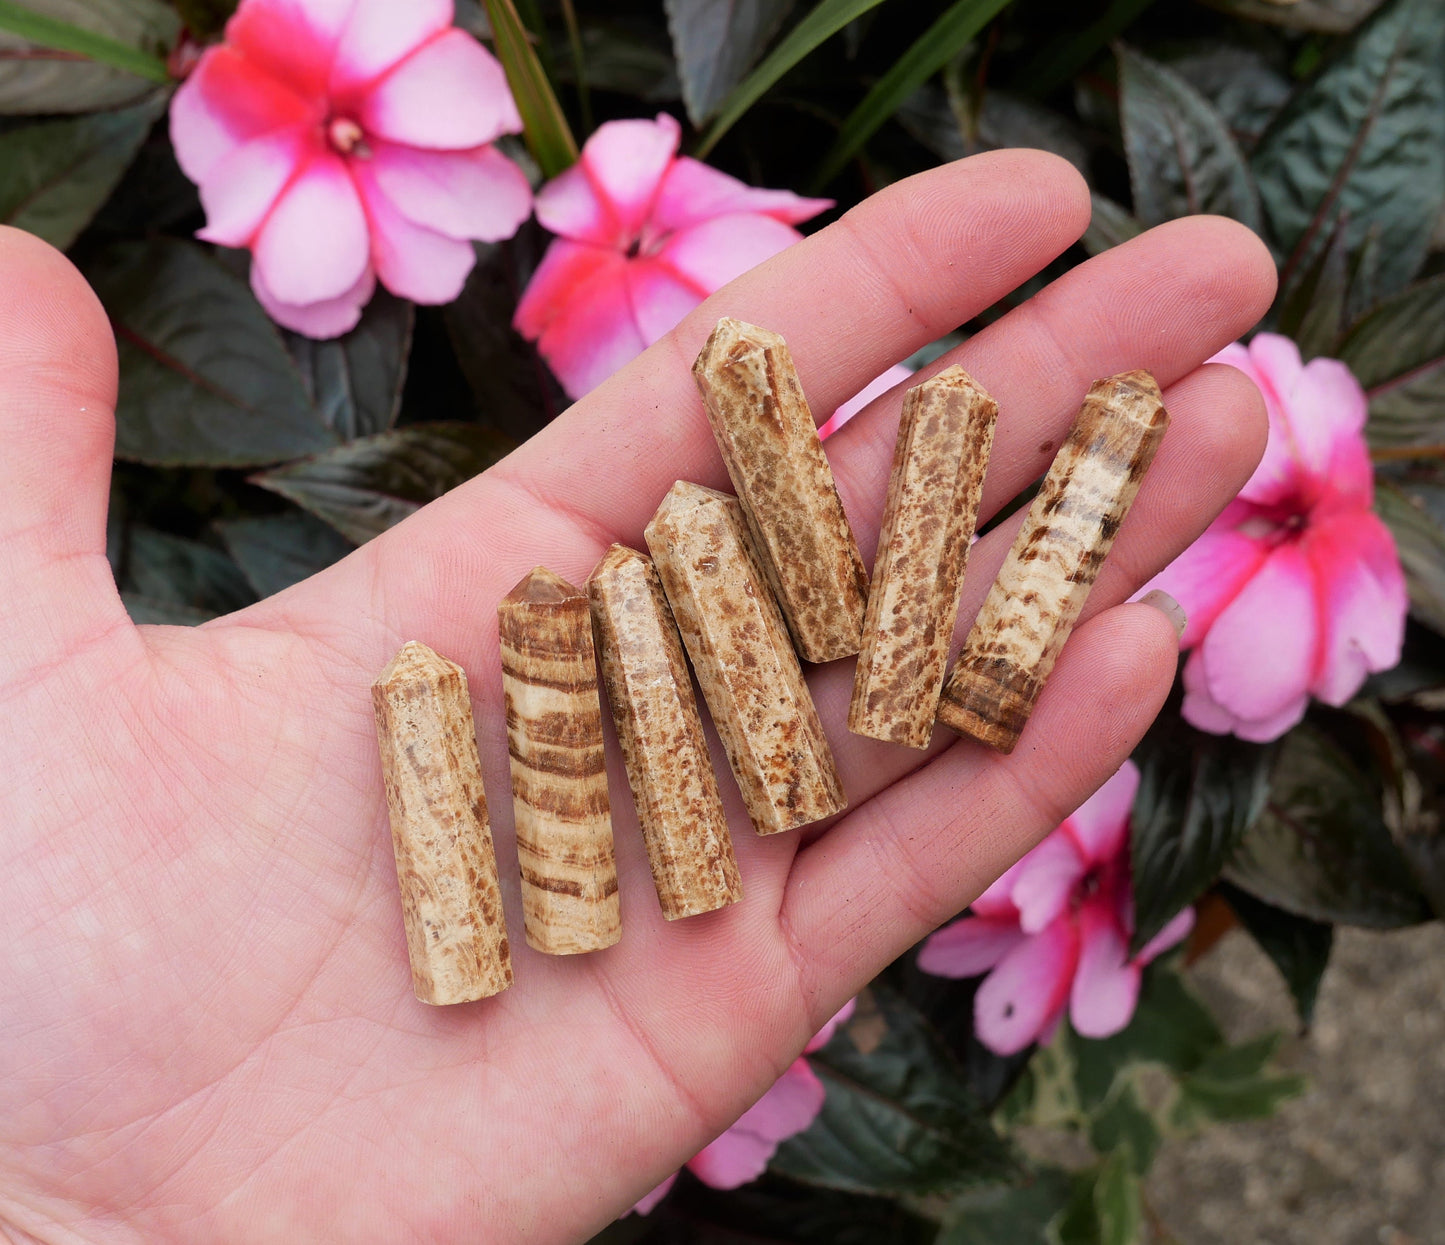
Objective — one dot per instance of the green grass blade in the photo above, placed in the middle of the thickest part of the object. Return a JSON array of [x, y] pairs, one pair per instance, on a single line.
[[930, 53], [549, 138], [49, 32], [825, 21]]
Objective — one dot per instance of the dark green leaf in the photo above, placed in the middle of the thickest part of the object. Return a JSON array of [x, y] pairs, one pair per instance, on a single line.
[[899, 1118], [624, 60], [355, 380], [367, 486], [1109, 226], [1415, 514], [1366, 138], [1234, 1084], [1074, 47], [204, 18], [1122, 1125], [1312, 311], [1321, 848], [1298, 947], [1398, 353], [512, 389], [46, 80], [933, 49], [1170, 1027], [58, 35], [168, 570], [716, 42], [1242, 84], [1182, 157], [55, 176], [1421, 669], [1197, 794], [774, 1211], [1001, 119], [204, 377], [1331, 16], [277, 550], [147, 610], [1007, 1214], [825, 21], [1104, 1207], [1117, 1202], [549, 137]]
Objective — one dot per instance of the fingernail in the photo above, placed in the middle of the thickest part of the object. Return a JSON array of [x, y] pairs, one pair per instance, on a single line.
[[1169, 607]]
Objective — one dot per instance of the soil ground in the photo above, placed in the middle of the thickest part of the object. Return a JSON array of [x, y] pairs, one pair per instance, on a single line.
[[1360, 1159]]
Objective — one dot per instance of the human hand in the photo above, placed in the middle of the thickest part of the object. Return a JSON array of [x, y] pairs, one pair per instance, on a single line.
[[207, 1031]]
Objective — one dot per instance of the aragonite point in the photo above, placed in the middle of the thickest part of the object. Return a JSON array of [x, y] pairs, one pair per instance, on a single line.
[[1044, 582], [456, 934]]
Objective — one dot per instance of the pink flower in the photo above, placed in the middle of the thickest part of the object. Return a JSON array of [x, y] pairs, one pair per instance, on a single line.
[[1053, 932], [346, 141], [874, 388], [741, 1154], [1296, 589], [644, 235]]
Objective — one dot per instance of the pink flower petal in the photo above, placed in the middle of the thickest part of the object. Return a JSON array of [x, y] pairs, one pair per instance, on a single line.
[[1175, 931], [997, 900], [1364, 616], [741, 1154], [1200, 710], [1269, 366], [1106, 986], [313, 246], [1207, 576], [239, 191], [649, 1200], [825, 1034], [1100, 825], [477, 193], [1046, 878], [713, 253], [292, 40], [660, 298], [565, 268], [226, 102], [692, 192], [1017, 1000], [411, 261], [328, 318], [450, 94], [380, 33], [1325, 408], [876, 387], [593, 332], [970, 946], [571, 207], [625, 162], [1259, 656]]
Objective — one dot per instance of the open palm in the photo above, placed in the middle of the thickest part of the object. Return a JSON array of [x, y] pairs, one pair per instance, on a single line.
[[207, 1031]]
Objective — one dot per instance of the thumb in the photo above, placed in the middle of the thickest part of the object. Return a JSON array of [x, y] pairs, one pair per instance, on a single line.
[[57, 429]]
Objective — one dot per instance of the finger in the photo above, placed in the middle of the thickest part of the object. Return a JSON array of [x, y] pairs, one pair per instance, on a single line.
[[57, 428], [1165, 301], [920, 852]]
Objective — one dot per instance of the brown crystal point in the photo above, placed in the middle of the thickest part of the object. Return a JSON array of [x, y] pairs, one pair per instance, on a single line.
[[770, 446], [668, 765], [451, 899], [559, 776], [745, 663], [939, 459], [1044, 582]]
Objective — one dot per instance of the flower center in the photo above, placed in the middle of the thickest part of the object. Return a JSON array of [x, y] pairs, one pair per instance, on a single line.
[[348, 138]]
